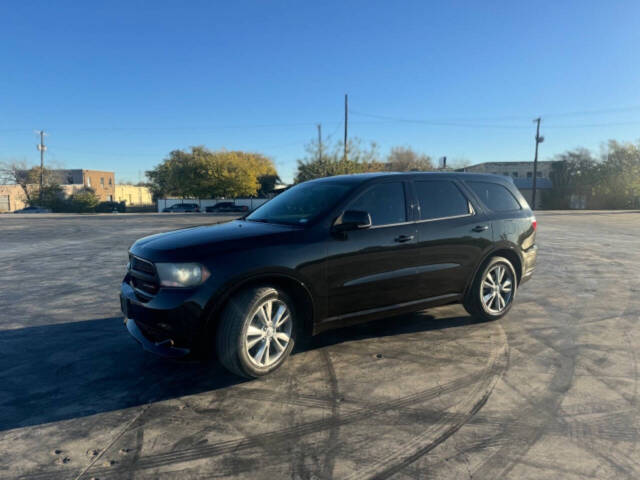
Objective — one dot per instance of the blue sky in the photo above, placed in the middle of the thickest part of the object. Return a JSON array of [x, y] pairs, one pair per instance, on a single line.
[[119, 84]]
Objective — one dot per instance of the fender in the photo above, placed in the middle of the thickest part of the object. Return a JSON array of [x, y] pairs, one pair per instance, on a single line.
[[230, 287]]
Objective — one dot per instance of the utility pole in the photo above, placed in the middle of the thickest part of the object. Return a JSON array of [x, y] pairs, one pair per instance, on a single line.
[[346, 123], [539, 140], [42, 149], [320, 142]]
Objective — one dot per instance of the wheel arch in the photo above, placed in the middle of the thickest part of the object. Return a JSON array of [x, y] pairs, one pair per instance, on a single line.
[[296, 289], [506, 251]]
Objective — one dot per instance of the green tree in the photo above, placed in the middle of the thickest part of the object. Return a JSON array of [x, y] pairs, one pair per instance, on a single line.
[[572, 172], [360, 159], [332, 162], [83, 201], [613, 181], [618, 176], [268, 184], [202, 173]]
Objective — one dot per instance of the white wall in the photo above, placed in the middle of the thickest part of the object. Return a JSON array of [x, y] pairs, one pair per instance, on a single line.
[[207, 202]]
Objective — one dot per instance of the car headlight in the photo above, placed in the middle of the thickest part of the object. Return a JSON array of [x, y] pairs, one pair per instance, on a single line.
[[181, 274]]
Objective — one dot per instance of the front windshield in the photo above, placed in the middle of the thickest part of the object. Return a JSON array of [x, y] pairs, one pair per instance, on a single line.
[[301, 204]]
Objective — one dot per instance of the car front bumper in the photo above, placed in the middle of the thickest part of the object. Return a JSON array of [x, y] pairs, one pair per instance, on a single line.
[[169, 324], [164, 348]]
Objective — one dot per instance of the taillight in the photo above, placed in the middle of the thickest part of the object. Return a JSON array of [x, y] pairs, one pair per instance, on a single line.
[[534, 224]]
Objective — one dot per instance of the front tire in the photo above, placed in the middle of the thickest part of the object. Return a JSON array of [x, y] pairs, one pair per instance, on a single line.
[[256, 332], [493, 290]]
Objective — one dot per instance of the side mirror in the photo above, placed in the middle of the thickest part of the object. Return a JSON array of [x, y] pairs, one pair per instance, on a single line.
[[352, 220]]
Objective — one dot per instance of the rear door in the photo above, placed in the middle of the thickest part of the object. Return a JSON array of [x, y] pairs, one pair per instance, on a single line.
[[452, 237], [511, 222], [374, 267]]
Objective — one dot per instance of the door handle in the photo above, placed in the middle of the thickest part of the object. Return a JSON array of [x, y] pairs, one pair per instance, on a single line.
[[404, 238], [480, 228]]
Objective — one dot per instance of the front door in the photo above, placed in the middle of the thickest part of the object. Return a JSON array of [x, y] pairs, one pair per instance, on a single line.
[[374, 267]]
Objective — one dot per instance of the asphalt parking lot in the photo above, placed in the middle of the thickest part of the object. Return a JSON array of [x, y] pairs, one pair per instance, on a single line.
[[550, 391]]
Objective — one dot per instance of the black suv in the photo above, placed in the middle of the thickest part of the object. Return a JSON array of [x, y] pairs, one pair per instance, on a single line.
[[182, 207], [327, 253], [227, 207]]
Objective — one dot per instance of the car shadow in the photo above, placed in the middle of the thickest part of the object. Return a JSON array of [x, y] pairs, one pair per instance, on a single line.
[[57, 372]]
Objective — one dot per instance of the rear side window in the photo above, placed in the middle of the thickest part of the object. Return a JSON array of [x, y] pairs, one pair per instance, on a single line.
[[495, 196], [384, 202], [440, 199]]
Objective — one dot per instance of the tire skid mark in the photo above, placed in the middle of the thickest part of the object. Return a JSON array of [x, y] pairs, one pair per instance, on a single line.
[[500, 463], [334, 432], [135, 454], [510, 454], [449, 423], [634, 401], [115, 439], [277, 436]]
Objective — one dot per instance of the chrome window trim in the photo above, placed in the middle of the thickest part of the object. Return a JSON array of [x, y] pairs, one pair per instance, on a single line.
[[446, 218], [390, 225], [472, 212]]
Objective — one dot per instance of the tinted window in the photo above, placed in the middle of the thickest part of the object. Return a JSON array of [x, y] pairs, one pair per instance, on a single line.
[[495, 196], [302, 203], [384, 202], [440, 198]]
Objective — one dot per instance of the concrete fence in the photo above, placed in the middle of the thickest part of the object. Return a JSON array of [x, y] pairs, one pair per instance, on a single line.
[[207, 202]]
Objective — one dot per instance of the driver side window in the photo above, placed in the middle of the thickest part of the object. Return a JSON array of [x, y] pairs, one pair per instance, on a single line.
[[384, 202]]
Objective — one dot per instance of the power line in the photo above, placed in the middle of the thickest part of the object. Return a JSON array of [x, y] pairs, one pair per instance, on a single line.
[[594, 112], [592, 125], [433, 122], [488, 125], [578, 113]]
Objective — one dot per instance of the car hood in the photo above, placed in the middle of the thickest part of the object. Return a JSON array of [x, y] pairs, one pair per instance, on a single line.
[[196, 243]]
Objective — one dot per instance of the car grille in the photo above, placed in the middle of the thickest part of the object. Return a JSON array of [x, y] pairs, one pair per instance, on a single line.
[[143, 276], [142, 265]]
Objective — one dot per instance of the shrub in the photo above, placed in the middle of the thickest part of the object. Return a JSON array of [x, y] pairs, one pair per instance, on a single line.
[[108, 207], [83, 201]]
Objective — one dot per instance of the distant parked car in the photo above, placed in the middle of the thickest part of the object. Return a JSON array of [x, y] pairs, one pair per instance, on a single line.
[[33, 209], [182, 207], [227, 207]]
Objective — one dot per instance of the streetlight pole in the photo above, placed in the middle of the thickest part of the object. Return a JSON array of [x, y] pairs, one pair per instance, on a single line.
[[42, 148], [346, 124], [539, 140]]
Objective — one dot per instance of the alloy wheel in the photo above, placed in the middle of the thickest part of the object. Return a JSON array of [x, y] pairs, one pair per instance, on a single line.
[[268, 333], [496, 290]]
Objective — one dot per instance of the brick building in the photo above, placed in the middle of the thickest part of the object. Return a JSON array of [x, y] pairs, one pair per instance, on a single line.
[[103, 183]]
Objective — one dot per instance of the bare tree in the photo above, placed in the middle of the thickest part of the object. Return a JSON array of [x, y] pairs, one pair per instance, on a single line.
[[405, 159], [28, 178], [17, 173]]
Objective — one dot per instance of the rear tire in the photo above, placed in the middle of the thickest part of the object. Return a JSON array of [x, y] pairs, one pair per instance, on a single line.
[[256, 332], [493, 290]]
